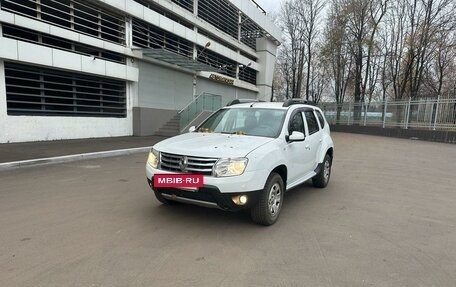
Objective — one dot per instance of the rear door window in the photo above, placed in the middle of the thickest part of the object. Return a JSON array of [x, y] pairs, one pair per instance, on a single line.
[[321, 119], [312, 123]]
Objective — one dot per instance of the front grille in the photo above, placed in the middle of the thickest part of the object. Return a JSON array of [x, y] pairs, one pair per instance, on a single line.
[[186, 164]]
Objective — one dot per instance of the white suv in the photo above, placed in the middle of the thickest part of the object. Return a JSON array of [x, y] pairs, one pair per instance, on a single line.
[[249, 154]]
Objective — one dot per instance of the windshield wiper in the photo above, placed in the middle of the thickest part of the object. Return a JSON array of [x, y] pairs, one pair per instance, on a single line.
[[241, 133]]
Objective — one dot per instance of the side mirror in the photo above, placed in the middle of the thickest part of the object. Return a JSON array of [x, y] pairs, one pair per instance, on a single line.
[[296, 137], [192, 129]]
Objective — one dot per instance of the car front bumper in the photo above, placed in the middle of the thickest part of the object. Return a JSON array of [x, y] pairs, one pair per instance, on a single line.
[[248, 181], [207, 196]]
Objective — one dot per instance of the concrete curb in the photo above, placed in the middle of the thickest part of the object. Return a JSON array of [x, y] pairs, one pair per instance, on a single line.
[[71, 158]]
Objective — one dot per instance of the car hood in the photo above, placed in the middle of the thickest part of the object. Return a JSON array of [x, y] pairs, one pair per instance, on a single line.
[[211, 145]]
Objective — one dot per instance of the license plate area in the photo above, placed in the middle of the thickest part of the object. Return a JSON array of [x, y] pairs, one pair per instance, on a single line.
[[185, 182]]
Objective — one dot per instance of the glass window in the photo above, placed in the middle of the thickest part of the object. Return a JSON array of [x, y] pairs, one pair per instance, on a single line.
[[321, 119], [245, 121], [296, 124], [312, 123]]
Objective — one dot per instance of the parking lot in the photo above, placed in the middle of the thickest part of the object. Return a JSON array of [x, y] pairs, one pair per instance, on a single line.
[[387, 218]]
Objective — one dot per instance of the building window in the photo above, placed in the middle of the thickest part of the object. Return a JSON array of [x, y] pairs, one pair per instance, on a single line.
[[186, 4], [160, 10], [223, 64], [36, 91], [248, 56], [149, 36], [217, 39], [221, 14], [250, 31], [27, 35], [76, 15], [248, 75]]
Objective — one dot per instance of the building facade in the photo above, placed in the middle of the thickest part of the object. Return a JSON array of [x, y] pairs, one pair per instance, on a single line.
[[101, 68]]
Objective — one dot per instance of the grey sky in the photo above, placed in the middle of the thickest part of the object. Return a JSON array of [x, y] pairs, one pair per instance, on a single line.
[[270, 5]]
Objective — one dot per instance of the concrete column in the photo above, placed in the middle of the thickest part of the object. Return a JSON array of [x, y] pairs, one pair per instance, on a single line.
[[195, 7], [3, 115], [266, 51], [129, 32]]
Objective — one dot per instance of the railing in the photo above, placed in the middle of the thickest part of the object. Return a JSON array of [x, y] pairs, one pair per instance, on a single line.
[[258, 6], [203, 103], [434, 114]]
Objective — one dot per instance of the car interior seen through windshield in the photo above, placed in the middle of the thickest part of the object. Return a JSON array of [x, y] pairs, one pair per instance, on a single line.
[[245, 121]]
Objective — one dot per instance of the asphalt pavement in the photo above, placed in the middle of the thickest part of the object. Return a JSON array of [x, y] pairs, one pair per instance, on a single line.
[[387, 218]]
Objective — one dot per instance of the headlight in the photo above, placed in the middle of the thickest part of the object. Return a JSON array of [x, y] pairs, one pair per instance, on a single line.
[[230, 167], [153, 158]]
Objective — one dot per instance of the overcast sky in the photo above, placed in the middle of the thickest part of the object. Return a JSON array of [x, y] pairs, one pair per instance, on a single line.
[[270, 5]]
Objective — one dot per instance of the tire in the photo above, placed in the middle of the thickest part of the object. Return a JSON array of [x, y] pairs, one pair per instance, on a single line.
[[267, 210], [321, 180]]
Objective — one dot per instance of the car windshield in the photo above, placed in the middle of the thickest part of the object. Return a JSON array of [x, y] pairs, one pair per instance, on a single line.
[[245, 121]]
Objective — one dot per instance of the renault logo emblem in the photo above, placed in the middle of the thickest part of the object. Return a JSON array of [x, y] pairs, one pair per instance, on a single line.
[[183, 163]]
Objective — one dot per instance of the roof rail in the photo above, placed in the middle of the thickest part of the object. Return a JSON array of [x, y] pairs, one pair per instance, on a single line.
[[297, 101], [242, 101]]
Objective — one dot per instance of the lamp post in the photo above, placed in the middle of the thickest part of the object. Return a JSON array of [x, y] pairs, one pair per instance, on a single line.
[[242, 68], [196, 59]]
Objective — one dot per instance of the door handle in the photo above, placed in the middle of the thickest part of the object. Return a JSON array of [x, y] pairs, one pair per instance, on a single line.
[[308, 147]]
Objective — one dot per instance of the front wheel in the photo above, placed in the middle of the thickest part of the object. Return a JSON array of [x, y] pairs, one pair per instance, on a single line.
[[322, 178], [267, 210]]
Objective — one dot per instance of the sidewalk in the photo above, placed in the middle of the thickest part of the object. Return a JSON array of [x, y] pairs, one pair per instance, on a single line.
[[13, 152]]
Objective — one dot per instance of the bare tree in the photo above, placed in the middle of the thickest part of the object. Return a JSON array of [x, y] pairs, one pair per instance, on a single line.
[[310, 15], [336, 54], [444, 55], [377, 10], [369, 50], [292, 26], [301, 20], [396, 49]]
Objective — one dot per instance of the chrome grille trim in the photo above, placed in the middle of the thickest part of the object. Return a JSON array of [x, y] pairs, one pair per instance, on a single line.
[[199, 165]]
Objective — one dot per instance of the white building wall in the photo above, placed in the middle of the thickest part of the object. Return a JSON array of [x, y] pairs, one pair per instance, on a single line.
[[253, 13], [164, 88], [152, 17], [41, 128], [33, 128]]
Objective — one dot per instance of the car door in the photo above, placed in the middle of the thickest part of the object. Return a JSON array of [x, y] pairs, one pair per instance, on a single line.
[[297, 154], [313, 138]]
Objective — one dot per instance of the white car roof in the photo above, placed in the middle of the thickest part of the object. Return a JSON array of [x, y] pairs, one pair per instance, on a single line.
[[269, 105]]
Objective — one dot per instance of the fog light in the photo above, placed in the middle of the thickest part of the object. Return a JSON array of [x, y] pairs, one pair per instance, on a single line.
[[240, 199], [243, 199]]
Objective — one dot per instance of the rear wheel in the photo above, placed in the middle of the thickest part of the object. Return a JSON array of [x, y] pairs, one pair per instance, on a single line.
[[321, 180], [267, 210]]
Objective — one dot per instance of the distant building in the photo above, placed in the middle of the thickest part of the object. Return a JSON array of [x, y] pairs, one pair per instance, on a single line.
[[80, 69]]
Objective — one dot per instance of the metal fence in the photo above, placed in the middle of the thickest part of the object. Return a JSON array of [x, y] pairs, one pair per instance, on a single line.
[[433, 114]]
